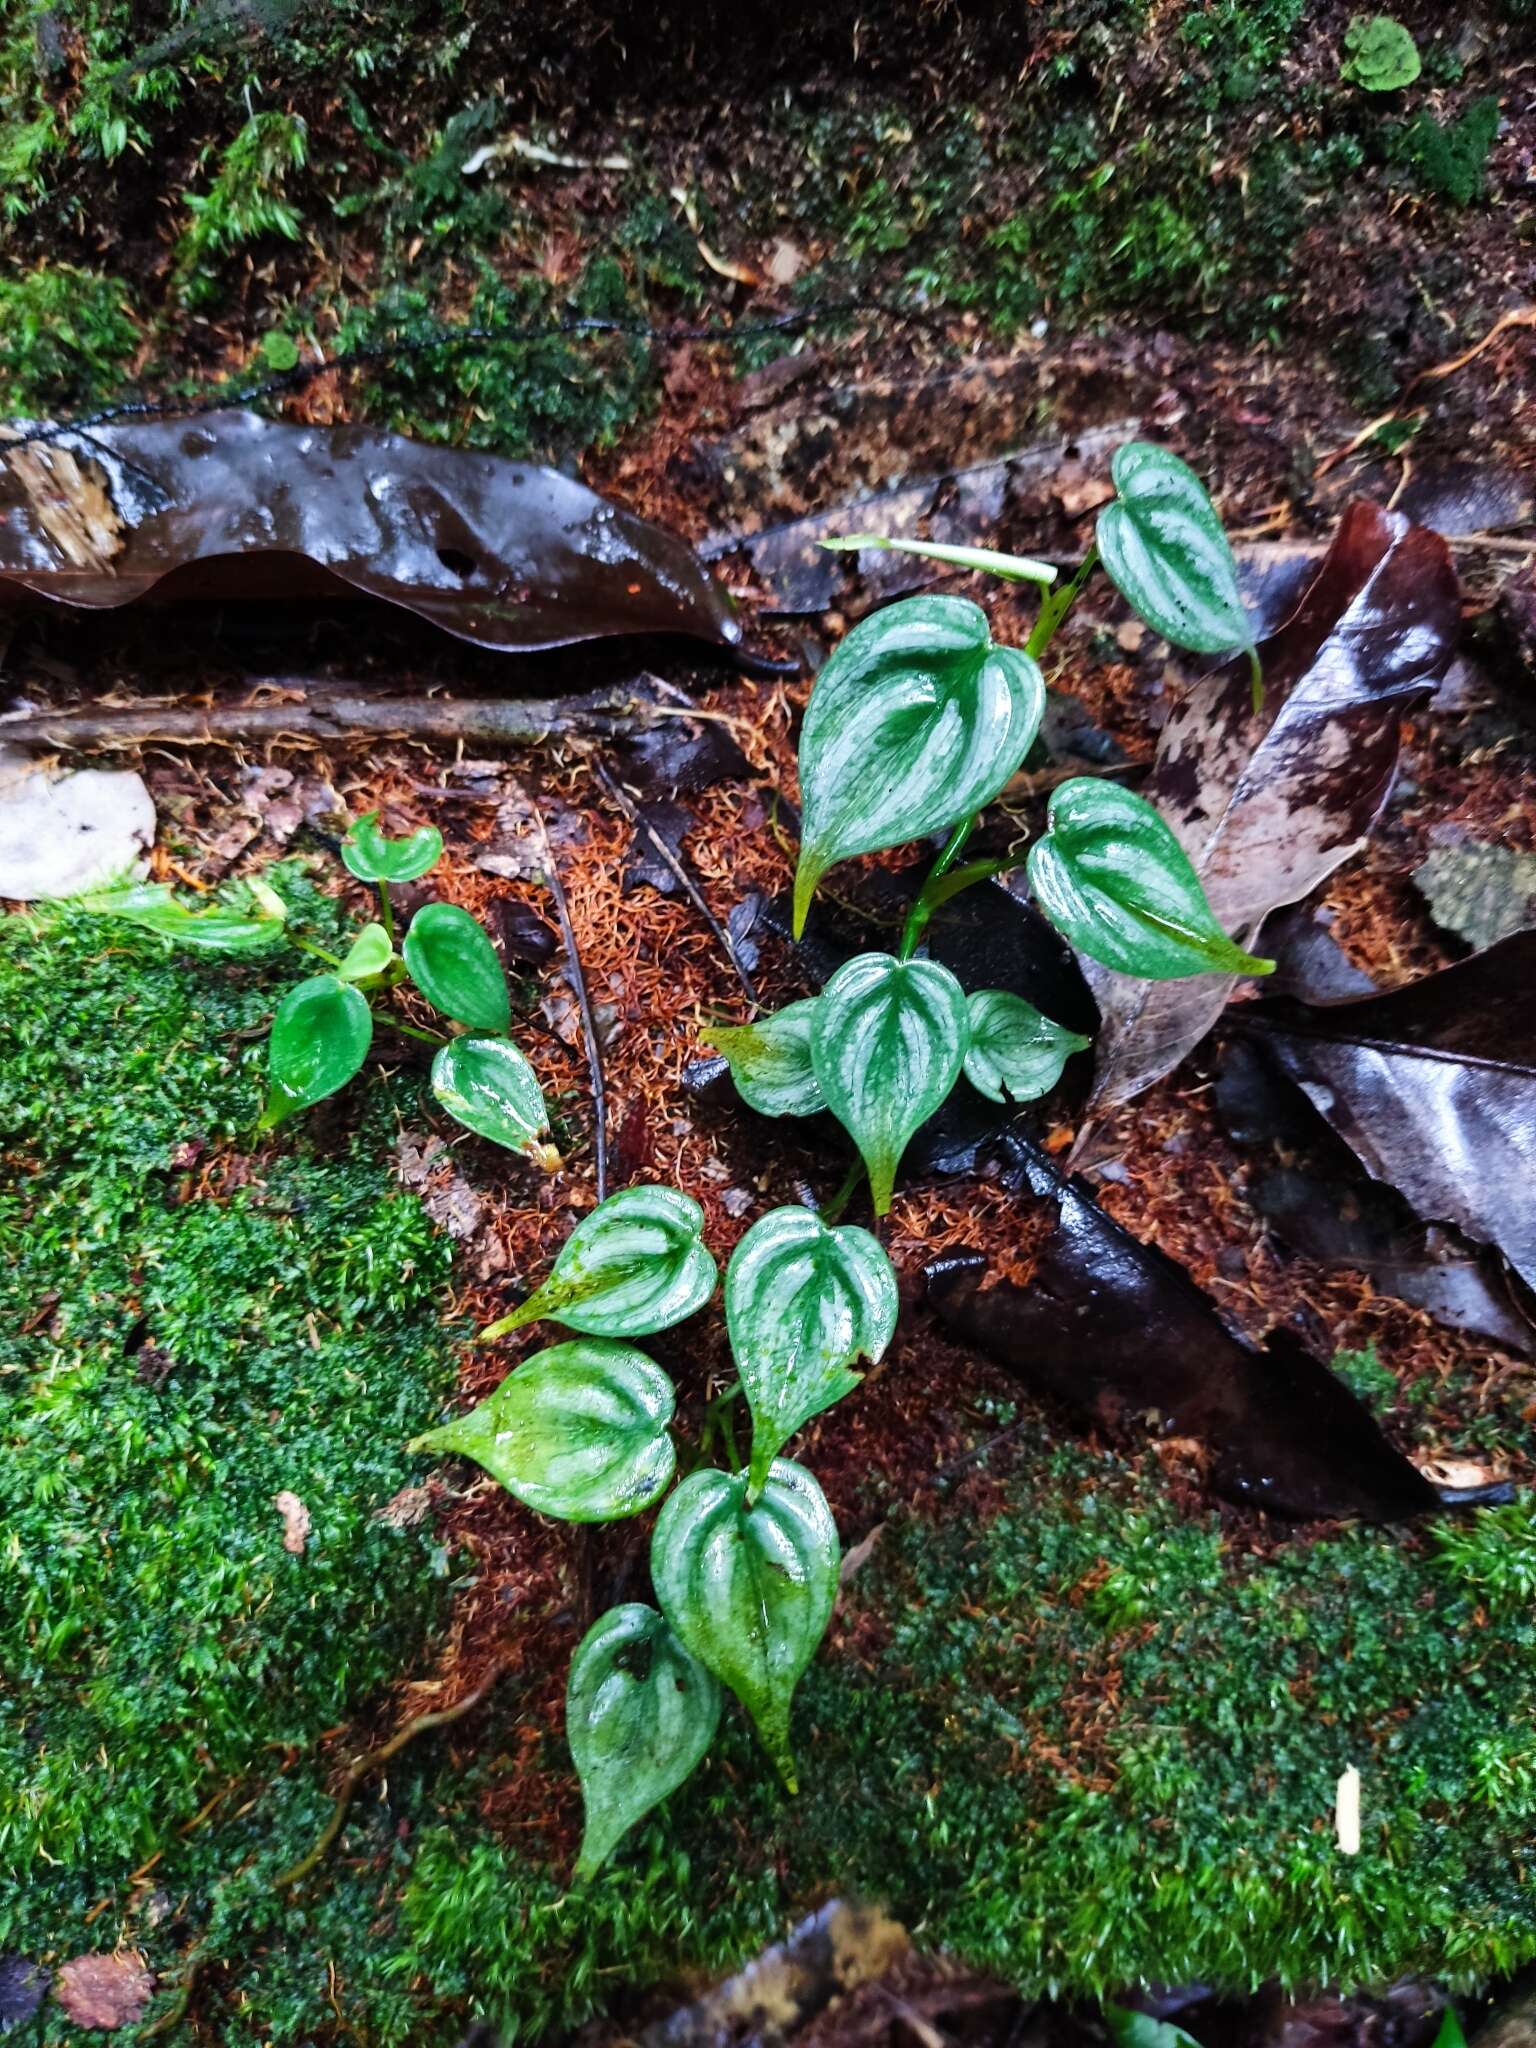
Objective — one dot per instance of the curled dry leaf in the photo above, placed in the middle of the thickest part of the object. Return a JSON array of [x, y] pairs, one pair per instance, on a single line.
[[1118, 1331], [1433, 1088], [103, 1991], [232, 506], [296, 1524], [1267, 806]]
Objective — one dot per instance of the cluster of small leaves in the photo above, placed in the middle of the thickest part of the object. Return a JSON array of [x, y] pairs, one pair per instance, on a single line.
[[917, 722], [324, 1026], [744, 1563]]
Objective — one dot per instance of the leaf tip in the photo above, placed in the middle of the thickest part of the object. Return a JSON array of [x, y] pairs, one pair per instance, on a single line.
[[808, 873]]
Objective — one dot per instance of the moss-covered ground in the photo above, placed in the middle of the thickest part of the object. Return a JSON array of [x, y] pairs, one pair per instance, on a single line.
[[1078, 1733]]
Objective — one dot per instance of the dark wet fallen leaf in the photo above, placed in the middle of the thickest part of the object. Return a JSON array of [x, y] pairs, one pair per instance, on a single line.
[[1480, 892], [644, 865], [1509, 632], [232, 506], [679, 757], [22, 1985], [1267, 807], [104, 1991], [1310, 964], [1119, 1332], [1466, 497], [1433, 1088], [524, 934]]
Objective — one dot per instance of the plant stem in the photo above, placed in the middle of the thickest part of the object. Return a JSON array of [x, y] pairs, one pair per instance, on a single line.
[[309, 946], [386, 912], [410, 1030], [831, 1211], [1054, 606]]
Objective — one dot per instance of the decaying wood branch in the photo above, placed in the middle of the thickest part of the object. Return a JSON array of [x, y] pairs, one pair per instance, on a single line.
[[341, 713]]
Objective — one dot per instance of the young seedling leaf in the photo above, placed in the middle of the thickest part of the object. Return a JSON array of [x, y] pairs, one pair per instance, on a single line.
[[320, 1037], [1130, 2029], [1008, 568], [369, 954], [454, 964], [802, 1303], [578, 1432], [750, 1589], [639, 1714], [488, 1085], [218, 929], [888, 1042], [373, 858], [770, 1061], [1167, 555], [635, 1265], [1014, 1049], [1112, 878], [916, 721]]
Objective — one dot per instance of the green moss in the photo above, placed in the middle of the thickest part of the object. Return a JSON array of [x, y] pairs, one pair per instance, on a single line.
[[65, 334], [1450, 156]]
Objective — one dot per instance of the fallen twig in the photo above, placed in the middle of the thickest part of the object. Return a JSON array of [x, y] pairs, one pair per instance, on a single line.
[[578, 985], [685, 880], [340, 714]]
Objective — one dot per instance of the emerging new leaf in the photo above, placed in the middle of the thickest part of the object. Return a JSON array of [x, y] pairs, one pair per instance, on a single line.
[[320, 1037], [219, 929], [916, 721], [579, 1432], [1014, 1047], [369, 953], [639, 1714], [770, 1061], [373, 858], [635, 1265], [888, 1041], [802, 1303], [750, 1590], [1112, 878], [1167, 555], [454, 964], [489, 1086]]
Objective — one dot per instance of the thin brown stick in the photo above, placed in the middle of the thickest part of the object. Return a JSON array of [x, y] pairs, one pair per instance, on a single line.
[[578, 986], [360, 1766], [342, 714], [684, 878]]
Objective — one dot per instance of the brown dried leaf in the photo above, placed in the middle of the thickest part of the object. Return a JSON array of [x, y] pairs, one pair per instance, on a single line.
[[104, 1991], [296, 1523]]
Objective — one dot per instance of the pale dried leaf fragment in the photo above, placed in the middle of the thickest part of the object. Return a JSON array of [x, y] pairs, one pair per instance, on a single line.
[[104, 1991], [296, 1523], [72, 504]]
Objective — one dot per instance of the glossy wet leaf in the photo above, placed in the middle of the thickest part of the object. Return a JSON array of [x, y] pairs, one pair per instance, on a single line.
[[1112, 878], [1267, 808], [640, 1713], [320, 1037], [1115, 1330], [578, 1432], [637, 1264], [369, 954], [804, 1303], [373, 858], [1013, 1049], [1166, 553], [455, 966], [496, 552], [770, 1061], [218, 928], [916, 720], [750, 1590], [888, 1042], [489, 1086]]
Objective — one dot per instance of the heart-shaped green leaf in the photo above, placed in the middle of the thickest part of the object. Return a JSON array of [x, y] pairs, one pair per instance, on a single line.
[[639, 1714], [578, 1432], [320, 1037], [750, 1590], [770, 1061], [369, 954], [802, 1303], [454, 964], [1014, 1048], [489, 1086], [373, 858], [1167, 555], [916, 721], [635, 1265], [221, 928], [888, 1041], [1112, 878]]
